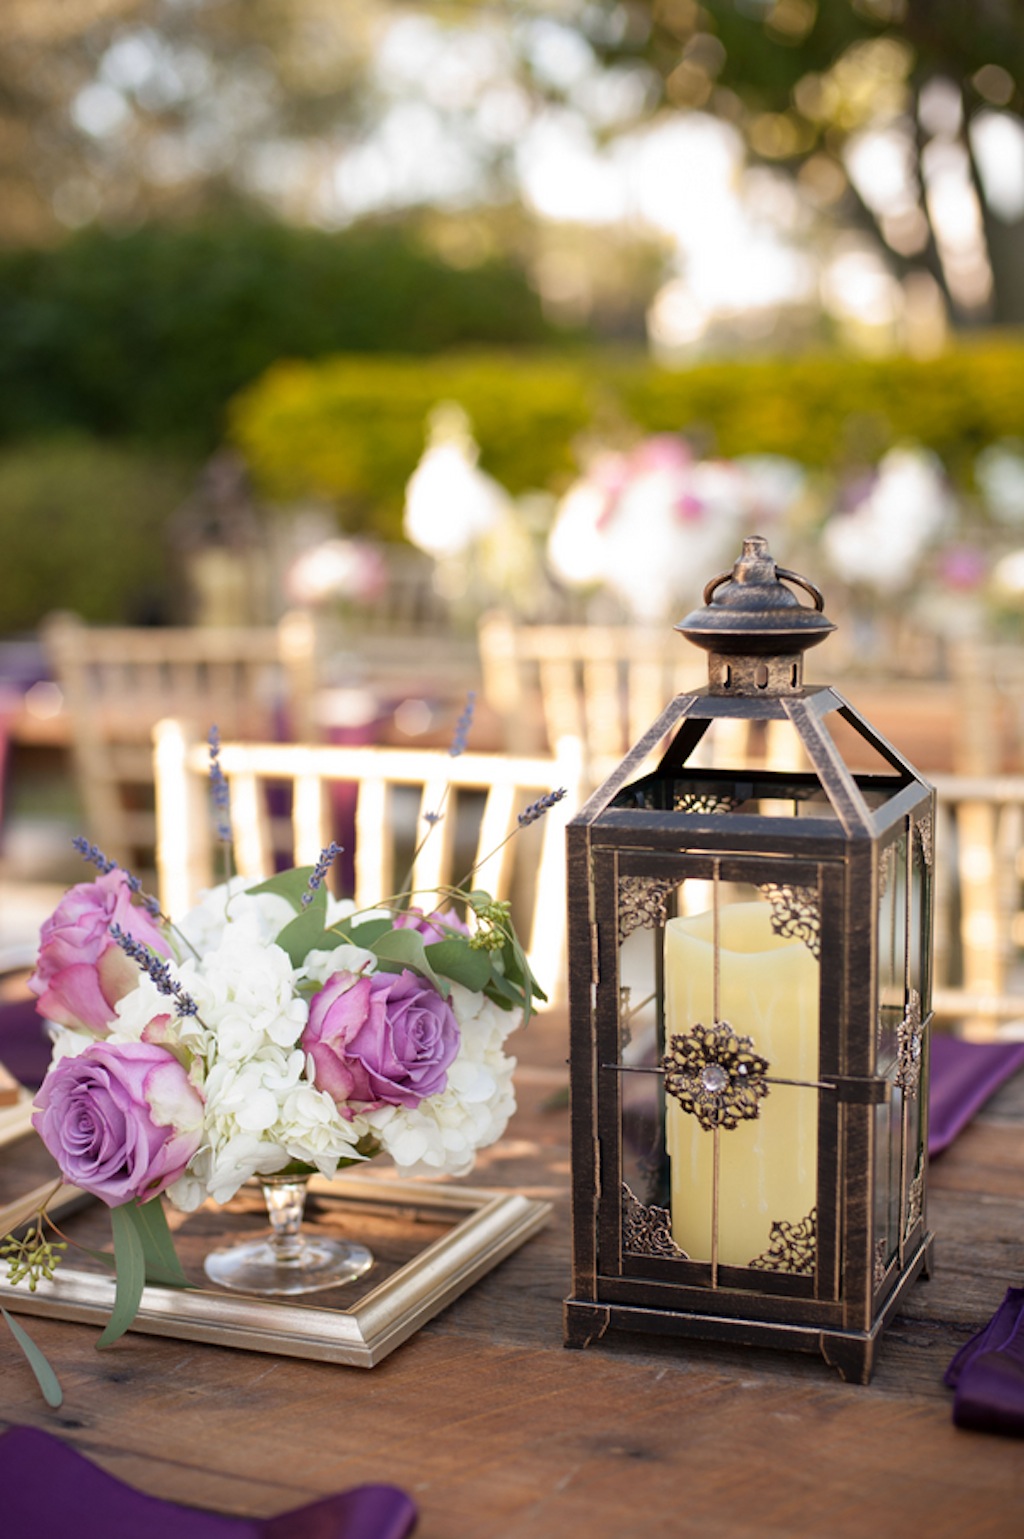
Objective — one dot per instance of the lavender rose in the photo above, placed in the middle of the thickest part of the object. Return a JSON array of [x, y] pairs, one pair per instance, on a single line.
[[384, 1038], [435, 926], [122, 1120], [81, 972]]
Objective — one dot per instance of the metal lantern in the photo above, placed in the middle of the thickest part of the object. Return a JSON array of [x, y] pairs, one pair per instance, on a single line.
[[749, 983]]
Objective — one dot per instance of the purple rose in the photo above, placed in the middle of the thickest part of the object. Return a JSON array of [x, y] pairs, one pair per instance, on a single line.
[[384, 1038], [122, 1120], [435, 926], [81, 972]]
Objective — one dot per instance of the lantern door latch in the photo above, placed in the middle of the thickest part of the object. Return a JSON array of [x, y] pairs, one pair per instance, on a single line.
[[854, 1090]]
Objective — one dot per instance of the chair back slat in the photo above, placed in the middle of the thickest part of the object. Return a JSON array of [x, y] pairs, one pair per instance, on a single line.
[[118, 681], [979, 909], [480, 796]]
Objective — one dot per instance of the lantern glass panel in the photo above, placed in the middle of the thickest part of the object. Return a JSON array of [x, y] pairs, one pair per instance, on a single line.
[[719, 1064], [892, 950]]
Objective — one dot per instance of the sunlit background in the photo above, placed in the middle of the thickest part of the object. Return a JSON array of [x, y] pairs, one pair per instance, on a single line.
[[399, 313]]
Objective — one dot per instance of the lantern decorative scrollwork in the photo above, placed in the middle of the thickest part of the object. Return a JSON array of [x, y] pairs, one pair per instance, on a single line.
[[715, 1074]]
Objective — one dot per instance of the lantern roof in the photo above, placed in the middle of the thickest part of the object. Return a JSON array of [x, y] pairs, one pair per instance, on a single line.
[[755, 631]]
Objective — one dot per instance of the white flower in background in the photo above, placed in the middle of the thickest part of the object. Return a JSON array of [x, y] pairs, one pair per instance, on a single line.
[[906, 510], [450, 502], [653, 524], [999, 473], [575, 544], [1008, 575], [336, 569]]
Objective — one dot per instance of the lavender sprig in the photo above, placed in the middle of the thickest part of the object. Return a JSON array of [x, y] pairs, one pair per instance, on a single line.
[[327, 856], [95, 856], [538, 808], [219, 788], [158, 970], [462, 726]]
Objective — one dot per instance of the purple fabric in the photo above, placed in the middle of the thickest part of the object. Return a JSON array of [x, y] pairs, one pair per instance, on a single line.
[[24, 1045], [963, 1076], [52, 1492], [987, 1374]]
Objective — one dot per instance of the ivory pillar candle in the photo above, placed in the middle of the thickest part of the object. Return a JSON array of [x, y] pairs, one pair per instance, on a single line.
[[768, 991]]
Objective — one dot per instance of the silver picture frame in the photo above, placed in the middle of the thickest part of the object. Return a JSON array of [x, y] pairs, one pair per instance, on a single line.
[[486, 1226]]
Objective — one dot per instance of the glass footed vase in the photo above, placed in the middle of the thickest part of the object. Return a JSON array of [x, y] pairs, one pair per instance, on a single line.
[[290, 1259]]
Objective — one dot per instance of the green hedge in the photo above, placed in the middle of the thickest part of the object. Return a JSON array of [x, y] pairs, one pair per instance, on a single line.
[[352, 428], [148, 334], [83, 526]]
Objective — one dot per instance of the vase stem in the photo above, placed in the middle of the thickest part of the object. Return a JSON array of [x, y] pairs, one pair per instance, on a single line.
[[290, 1259], [286, 1201]]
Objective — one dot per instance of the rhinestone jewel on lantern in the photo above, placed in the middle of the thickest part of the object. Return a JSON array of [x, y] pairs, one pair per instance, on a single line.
[[715, 1074]]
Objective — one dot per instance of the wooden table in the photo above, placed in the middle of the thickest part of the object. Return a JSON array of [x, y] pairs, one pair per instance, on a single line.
[[496, 1430]]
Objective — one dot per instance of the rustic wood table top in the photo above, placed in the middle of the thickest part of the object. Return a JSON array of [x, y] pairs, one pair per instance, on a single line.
[[496, 1430]]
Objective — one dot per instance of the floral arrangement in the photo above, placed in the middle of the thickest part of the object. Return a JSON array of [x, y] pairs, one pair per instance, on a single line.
[[271, 1030], [641, 523]]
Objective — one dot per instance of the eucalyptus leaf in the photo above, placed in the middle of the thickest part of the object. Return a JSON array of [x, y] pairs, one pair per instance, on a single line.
[[502, 992], [37, 1361], [306, 931], [161, 1258], [405, 947], [363, 934], [455, 958], [131, 1272], [290, 885]]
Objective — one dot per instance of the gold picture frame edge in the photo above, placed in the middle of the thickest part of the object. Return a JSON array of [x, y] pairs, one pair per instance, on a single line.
[[494, 1224]]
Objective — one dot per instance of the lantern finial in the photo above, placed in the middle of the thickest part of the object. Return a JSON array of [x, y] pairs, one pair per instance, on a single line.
[[754, 627]]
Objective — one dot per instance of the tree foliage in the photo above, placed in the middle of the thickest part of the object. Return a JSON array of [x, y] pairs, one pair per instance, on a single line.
[[148, 334], [803, 78]]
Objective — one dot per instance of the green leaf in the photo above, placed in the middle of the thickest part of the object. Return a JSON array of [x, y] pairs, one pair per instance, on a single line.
[[37, 1361], [406, 948], [306, 931], [290, 885], [456, 958], [502, 992], [131, 1272], [161, 1258], [363, 934]]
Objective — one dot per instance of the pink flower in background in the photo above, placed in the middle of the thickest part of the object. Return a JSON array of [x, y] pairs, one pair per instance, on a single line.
[[122, 1120], [642, 523], [435, 926], [963, 567], [386, 1039], [81, 972]]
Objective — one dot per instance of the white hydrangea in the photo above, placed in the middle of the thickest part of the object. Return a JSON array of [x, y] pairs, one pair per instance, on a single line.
[[319, 966], [230, 904]]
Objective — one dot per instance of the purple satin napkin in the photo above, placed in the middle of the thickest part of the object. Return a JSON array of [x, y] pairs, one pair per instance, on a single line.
[[987, 1374], [963, 1076], [25, 1047], [51, 1492]]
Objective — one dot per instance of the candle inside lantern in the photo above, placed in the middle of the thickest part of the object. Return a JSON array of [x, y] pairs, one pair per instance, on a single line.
[[768, 991]]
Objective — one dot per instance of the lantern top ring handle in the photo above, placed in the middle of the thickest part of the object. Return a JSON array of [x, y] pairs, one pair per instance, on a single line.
[[780, 571]]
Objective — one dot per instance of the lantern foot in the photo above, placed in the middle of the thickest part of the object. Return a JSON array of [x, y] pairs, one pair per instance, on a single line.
[[585, 1323], [852, 1358]]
